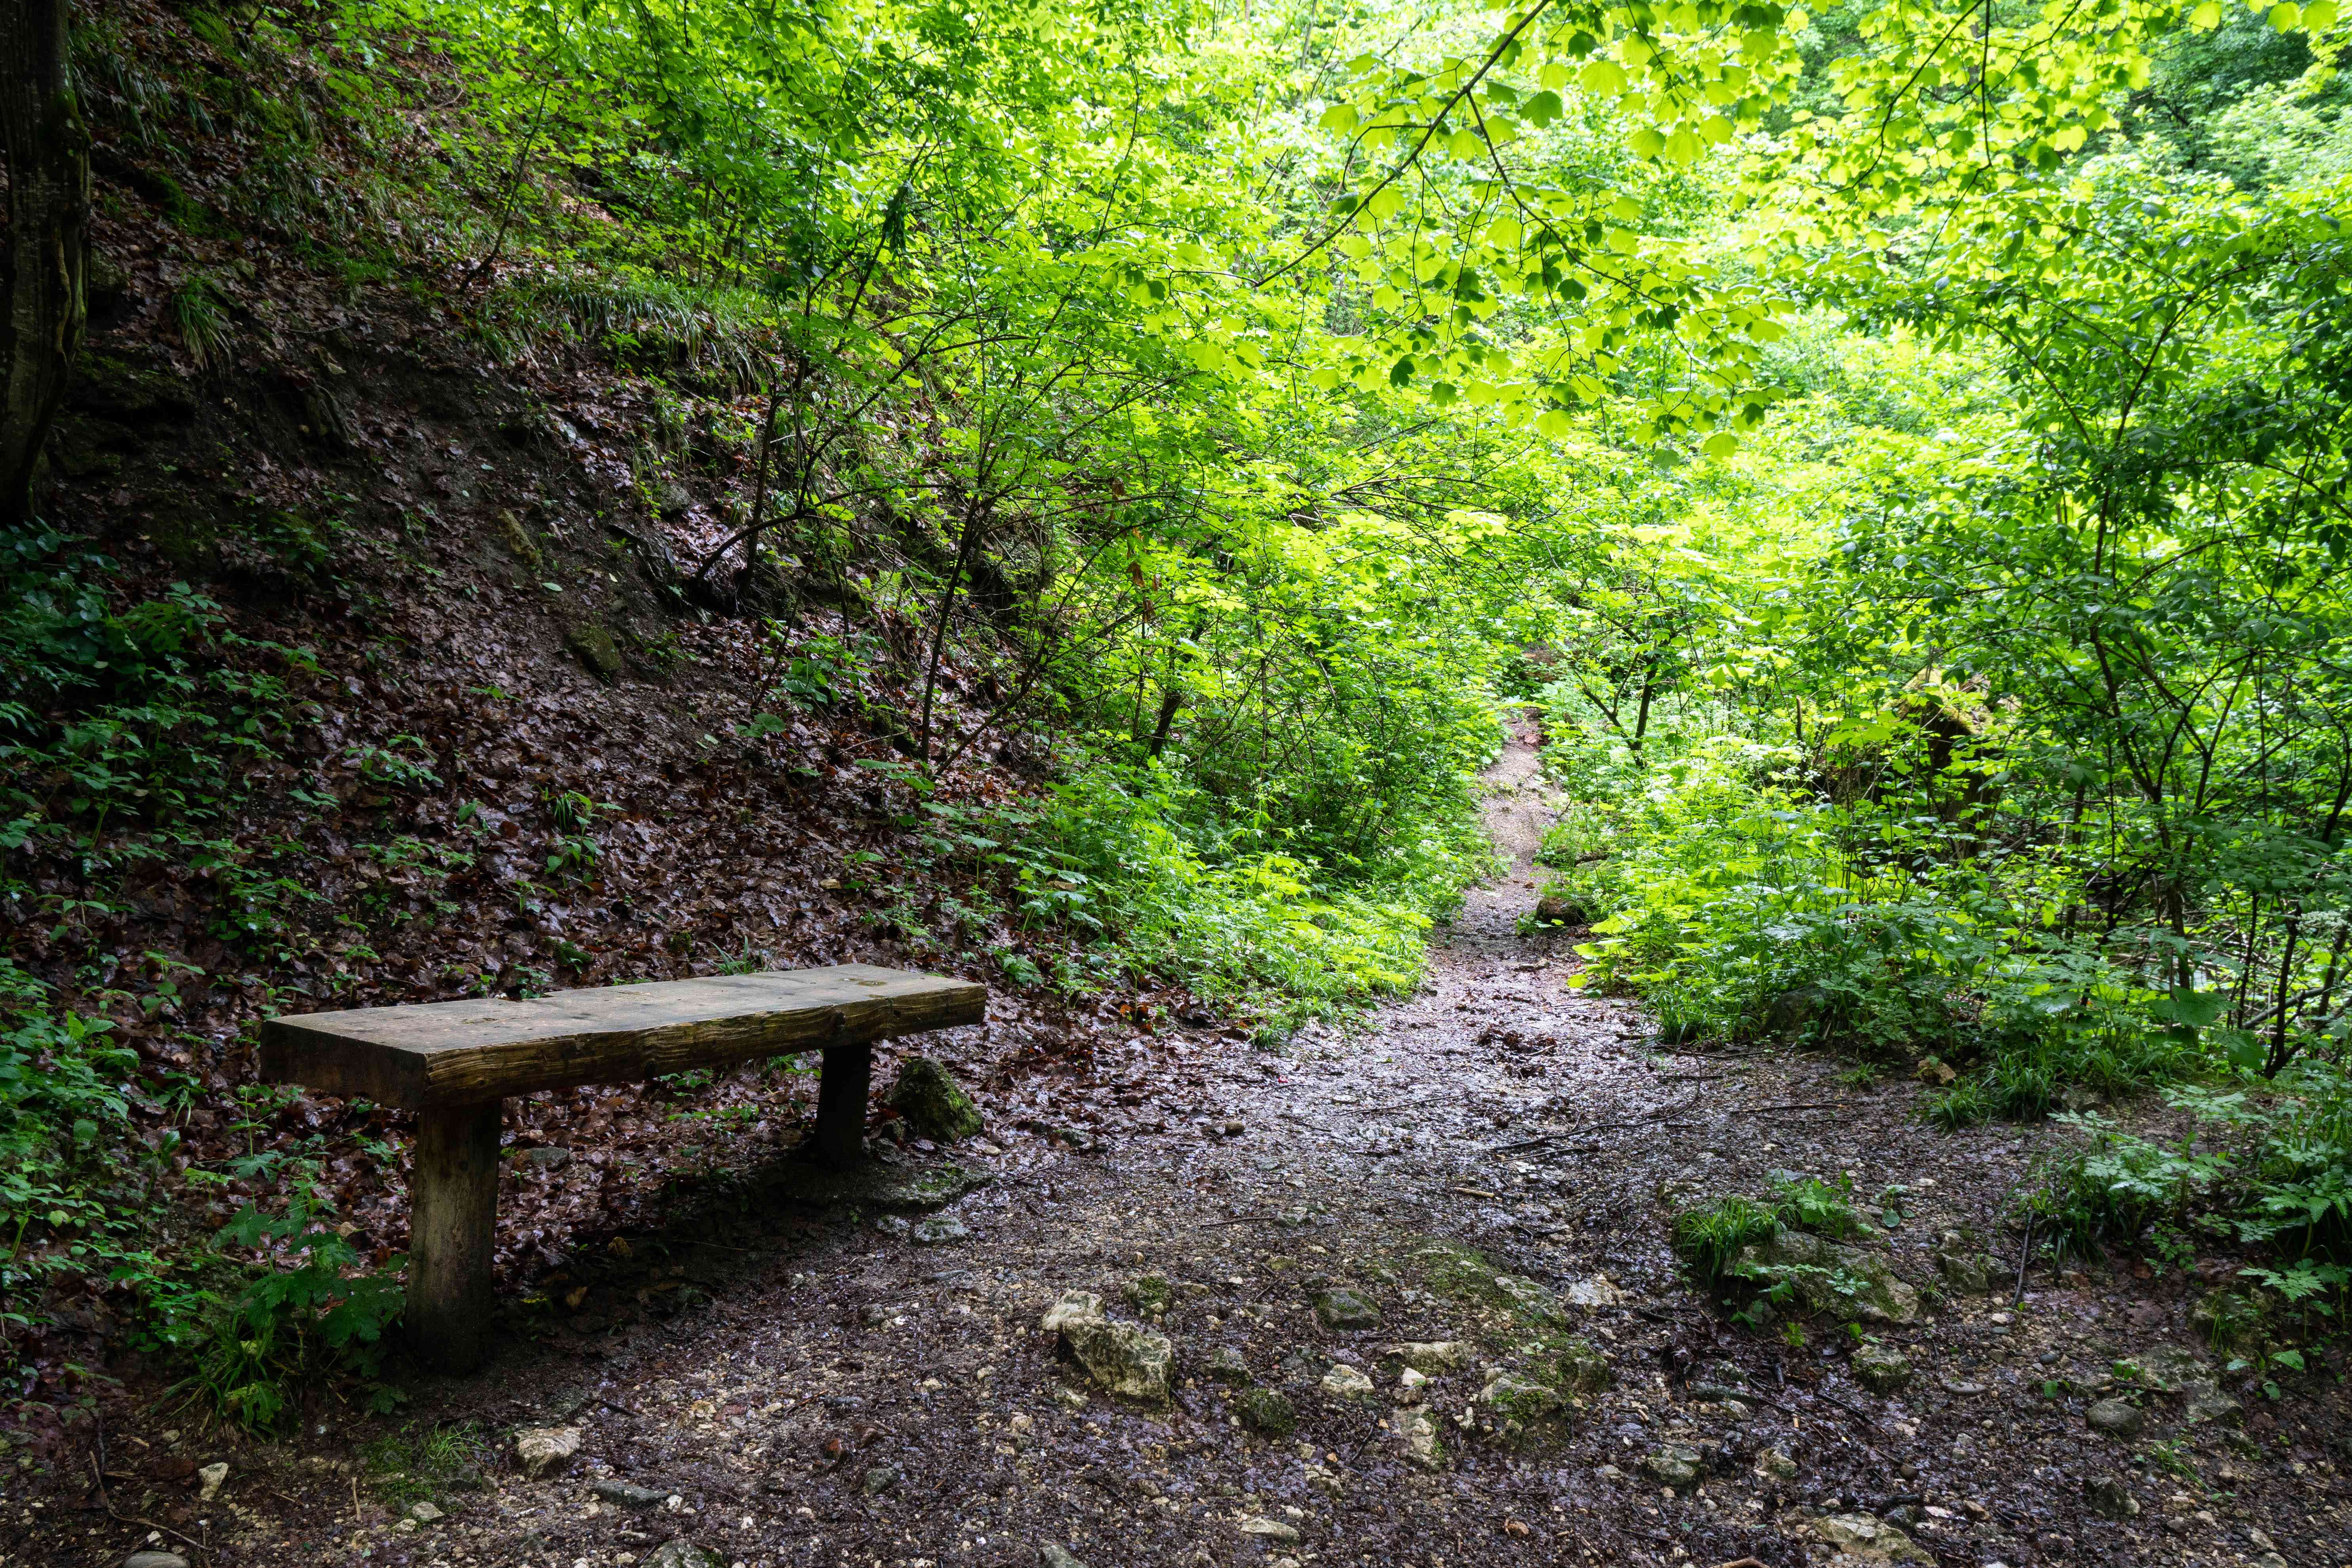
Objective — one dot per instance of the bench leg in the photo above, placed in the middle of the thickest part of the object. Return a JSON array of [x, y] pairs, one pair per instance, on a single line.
[[453, 1204], [841, 1104]]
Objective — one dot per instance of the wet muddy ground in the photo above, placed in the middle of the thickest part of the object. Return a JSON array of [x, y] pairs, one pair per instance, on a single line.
[[1484, 1176]]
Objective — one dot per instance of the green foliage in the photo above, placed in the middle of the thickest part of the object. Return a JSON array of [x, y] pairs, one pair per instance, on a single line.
[[1808, 1203], [1160, 884], [306, 1309], [2270, 1169], [1709, 1239], [76, 1186], [426, 1464]]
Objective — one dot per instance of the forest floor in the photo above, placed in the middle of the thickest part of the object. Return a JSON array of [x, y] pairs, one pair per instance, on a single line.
[[1488, 1168]]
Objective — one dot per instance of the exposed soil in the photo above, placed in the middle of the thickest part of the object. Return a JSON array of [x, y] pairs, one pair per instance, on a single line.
[[1491, 1152]]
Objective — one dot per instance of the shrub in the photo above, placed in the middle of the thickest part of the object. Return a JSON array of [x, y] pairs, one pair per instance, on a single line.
[[1744, 907], [1137, 862], [306, 1310]]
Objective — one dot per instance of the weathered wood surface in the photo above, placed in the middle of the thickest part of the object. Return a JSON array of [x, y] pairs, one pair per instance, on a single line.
[[453, 1194], [437, 1054]]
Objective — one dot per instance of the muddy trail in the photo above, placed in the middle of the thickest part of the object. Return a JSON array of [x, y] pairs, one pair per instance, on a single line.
[[1420, 1308]]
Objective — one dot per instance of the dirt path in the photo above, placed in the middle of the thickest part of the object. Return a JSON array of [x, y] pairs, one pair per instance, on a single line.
[[1493, 1166]]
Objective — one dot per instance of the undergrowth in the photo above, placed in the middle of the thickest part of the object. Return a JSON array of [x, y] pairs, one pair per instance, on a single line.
[[1746, 907]]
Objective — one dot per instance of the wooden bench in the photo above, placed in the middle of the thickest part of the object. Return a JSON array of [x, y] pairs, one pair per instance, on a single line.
[[453, 1062]]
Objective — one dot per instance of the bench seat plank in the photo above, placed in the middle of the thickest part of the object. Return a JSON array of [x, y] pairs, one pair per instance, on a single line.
[[433, 1055]]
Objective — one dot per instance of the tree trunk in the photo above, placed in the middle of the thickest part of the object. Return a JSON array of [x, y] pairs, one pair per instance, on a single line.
[[48, 148]]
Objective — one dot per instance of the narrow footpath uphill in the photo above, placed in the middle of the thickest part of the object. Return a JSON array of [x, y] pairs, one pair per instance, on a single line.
[[1418, 1307]]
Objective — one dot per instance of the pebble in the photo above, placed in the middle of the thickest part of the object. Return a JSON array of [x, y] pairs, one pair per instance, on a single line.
[[1123, 1359], [547, 1158], [2109, 1497], [1225, 1365], [1863, 1536], [1597, 1291], [1049, 1555], [154, 1560], [543, 1451], [2115, 1418], [1424, 1443], [1882, 1369], [209, 1479], [941, 1230], [424, 1513], [1676, 1464], [880, 1478], [1775, 1466], [1345, 1382], [1268, 1410], [1342, 1309], [1432, 1358], [626, 1494], [683, 1553], [1266, 1529]]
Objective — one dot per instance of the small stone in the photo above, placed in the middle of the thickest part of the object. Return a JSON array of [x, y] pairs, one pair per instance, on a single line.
[[940, 1230], [424, 1513], [1560, 909], [1345, 1382], [1609, 1473], [1125, 1360], [1515, 1399], [1267, 1410], [1580, 1371], [682, 1554], [1676, 1464], [1432, 1358], [1773, 1465], [2109, 1497], [2206, 1402], [1069, 1398], [1821, 1273], [894, 1224], [1597, 1291], [2167, 1369], [547, 1158], [1965, 1273], [1341, 1308], [1150, 1294], [1872, 1540], [1225, 1365], [1882, 1369], [1532, 1302], [154, 1560], [1073, 1306], [1269, 1529], [880, 1478], [209, 1479], [2115, 1418], [626, 1494], [1052, 1556], [932, 1102], [1425, 1441], [544, 1451]]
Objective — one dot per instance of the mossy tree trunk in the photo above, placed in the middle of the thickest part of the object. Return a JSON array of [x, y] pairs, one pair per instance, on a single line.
[[47, 151]]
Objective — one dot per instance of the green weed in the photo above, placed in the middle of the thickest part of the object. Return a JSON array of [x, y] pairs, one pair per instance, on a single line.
[[1709, 1239], [425, 1464]]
